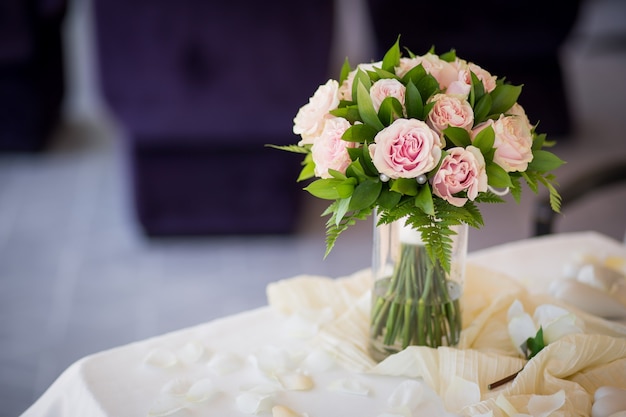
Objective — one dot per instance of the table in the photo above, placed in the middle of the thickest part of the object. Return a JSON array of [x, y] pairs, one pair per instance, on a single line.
[[230, 359]]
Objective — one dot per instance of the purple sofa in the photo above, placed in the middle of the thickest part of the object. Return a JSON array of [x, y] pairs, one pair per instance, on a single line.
[[31, 72], [201, 87]]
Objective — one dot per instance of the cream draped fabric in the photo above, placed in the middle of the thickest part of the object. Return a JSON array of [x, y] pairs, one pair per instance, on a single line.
[[578, 364]]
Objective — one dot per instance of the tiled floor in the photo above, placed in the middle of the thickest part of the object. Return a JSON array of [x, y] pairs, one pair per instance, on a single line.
[[77, 277]]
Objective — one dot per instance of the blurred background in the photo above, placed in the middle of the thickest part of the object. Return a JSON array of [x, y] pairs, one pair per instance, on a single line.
[[137, 196]]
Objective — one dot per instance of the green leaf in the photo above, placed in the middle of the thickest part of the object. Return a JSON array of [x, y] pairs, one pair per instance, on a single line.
[[414, 75], [345, 71], [544, 161], [336, 174], [360, 77], [331, 188], [555, 197], [449, 56], [373, 75], [503, 97], [516, 189], [484, 140], [427, 86], [382, 74], [531, 180], [365, 194], [308, 171], [359, 133], [538, 141], [290, 148], [334, 228], [350, 113], [388, 199], [413, 102], [355, 153], [458, 136], [497, 177], [342, 208], [392, 57], [477, 89], [405, 186], [366, 108], [424, 200], [482, 109], [390, 110], [366, 161], [355, 170], [534, 345]]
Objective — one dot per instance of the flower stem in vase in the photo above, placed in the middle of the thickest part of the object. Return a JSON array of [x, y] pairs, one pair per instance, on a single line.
[[416, 304]]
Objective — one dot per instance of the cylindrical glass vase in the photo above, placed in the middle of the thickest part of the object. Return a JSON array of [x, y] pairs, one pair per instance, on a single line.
[[414, 300]]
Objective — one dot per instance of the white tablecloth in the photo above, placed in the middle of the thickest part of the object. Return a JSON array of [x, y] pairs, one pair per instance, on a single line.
[[132, 380]]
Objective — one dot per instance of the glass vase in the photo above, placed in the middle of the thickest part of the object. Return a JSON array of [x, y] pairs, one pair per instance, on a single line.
[[414, 300]]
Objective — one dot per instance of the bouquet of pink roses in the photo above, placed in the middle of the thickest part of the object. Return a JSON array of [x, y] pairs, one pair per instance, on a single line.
[[423, 138]]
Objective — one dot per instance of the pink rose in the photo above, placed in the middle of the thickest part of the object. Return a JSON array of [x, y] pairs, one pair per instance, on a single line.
[[406, 65], [463, 82], [386, 87], [329, 150], [462, 85], [513, 141], [309, 122], [406, 149], [462, 169], [441, 70], [518, 110], [450, 111], [489, 81]]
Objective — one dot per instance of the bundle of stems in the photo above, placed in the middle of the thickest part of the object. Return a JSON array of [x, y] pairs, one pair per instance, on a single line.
[[415, 308]]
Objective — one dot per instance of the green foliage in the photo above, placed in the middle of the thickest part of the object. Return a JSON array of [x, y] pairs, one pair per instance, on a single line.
[[414, 103], [458, 136], [503, 97], [290, 148], [534, 345], [390, 110], [484, 140], [497, 176], [366, 108], [392, 57], [544, 161], [336, 225]]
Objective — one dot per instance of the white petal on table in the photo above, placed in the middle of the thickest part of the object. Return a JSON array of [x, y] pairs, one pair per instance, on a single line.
[[283, 411], [191, 352], [225, 363], [161, 358], [295, 381], [461, 393], [177, 387], [256, 400], [349, 386], [166, 405], [545, 405], [202, 390]]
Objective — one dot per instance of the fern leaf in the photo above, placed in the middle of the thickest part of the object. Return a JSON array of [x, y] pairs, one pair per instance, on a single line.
[[291, 148]]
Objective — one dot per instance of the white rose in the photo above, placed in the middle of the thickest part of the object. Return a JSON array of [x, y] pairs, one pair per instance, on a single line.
[[309, 122]]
